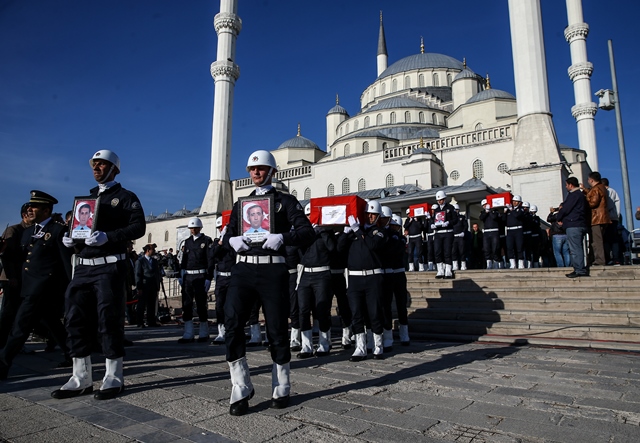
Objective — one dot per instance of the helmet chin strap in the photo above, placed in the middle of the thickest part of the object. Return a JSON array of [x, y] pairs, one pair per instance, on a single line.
[[107, 175], [267, 178]]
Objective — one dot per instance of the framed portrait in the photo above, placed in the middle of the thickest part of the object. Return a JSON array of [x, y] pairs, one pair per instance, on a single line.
[[256, 221], [85, 213]]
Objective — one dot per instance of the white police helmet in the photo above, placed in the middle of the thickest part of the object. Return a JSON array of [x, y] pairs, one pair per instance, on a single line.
[[517, 198], [307, 209], [261, 158], [396, 220], [456, 207], [218, 222], [408, 211], [533, 208], [386, 212], [483, 202], [441, 195], [195, 222], [105, 154], [525, 204], [373, 207], [435, 206]]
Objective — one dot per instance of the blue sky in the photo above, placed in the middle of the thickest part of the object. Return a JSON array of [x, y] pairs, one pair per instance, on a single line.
[[133, 76]]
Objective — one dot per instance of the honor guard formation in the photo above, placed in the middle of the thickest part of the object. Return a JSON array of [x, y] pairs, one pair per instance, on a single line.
[[270, 255]]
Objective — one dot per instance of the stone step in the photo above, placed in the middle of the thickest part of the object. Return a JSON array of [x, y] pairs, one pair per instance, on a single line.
[[557, 304], [516, 283], [573, 293]]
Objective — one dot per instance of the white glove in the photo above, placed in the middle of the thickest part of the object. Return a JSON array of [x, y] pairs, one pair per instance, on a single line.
[[487, 208], [273, 241], [433, 226], [347, 229], [240, 243], [428, 216], [67, 241], [506, 210], [438, 223], [98, 238], [445, 224], [207, 285], [223, 232], [354, 223]]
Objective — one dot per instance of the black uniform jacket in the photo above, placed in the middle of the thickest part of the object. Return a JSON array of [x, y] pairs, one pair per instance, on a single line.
[[319, 252], [363, 247], [198, 254]]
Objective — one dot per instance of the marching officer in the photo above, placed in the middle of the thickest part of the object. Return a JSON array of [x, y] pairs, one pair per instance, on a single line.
[[514, 218], [339, 289], [527, 223], [198, 265], [538, 238], [413, 228], [262, 274], [458, 252], [97, 290], [428, 249], [491, 241], [224, 258], [397, 279], [444, 219], [292, 258], [387, 261]]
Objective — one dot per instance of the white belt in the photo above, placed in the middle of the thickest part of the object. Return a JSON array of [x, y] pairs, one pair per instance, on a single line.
[[293, 271], [535, 235], [459, 235], [431, 234], [318, 269], [446, 231], [224, 274], [101, 260], [366, 272], [337, 271], [195, 271], [509, 228], [394, 271], [490, 230], [260, 259], [415, 236]]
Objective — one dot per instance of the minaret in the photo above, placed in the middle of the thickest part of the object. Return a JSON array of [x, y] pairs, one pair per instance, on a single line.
[[580, 71], [537, 173], [382, 49], [225, 73]]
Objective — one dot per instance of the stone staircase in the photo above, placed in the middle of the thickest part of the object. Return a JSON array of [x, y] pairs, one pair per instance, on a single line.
[[535, 306]]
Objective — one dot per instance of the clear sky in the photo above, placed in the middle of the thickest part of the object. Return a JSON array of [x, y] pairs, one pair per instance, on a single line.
[[133, 76]]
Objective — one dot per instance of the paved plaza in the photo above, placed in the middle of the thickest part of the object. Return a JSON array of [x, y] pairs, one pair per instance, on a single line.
[[429, 391]]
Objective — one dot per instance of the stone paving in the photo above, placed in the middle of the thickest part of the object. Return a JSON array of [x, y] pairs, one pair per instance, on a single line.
[[427, 392]]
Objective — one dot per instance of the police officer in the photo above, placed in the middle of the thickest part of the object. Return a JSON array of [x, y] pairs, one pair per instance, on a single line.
[[458, 250], [397, 279], [444, 219], [292, 259], [538, 237], [389, 258], [261, 273], [148, 275], [46, 270], [224, 258], [198, 265], [413, 227], [527, 224], [97, 290], [514, 218], [491, 239], [339, 289], [314, 290], [428, 249]]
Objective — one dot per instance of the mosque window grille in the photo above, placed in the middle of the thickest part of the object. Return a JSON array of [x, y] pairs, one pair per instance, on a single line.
[[346, 186], [149, 237], [379, 120], [455, 175], [294, 193], [307, 193], [347, 149], [340, 131], [389, 180], [365, 147], [407, 117], [479, 127], [478, 169], [362, 185], [393, 118], [346, 129], [166, 236], [331, 190], [383, 89], [449, 79], [503, 168], [407, 82], [421, 80], [356, 125], [366, 121], [421, 117], [434, 118], [436, 79], [394, 85]]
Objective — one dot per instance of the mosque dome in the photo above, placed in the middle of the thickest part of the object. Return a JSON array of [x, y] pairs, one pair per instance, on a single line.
[[488, 94], [165, 215], [397, 102], [150, 217], [428, 60], [337, 109], [465, 73], [299, 142], [182, 212], [195, 211]]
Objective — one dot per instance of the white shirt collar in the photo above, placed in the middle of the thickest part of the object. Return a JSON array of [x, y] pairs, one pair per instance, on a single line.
[[261, 190], [195, 237], [104, 186], [44, 222]]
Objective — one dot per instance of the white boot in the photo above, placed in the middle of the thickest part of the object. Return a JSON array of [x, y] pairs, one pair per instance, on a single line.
[[379, 347], [512, 263], [489, 264], [421, 267], [361, 348], [256, 336], [346, 337], [447, 271], [220, 337], [242, 388], [81, 381], [294, 341], [324, 343], [455, 265], [187, 336], [431, 266], [369, 340], [387, 340], [520, 264], [411, 267], [500, 264], [440, 273], [203, 333], [527, 264], [113, 381], [404, 334], [280, 385], [463, 265], [306, 349]]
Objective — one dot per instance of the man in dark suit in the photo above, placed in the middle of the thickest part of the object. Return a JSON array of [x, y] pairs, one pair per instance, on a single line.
[[46, 271], [148, 275]]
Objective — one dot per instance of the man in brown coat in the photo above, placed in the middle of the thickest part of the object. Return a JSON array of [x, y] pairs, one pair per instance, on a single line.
[[597, 198]]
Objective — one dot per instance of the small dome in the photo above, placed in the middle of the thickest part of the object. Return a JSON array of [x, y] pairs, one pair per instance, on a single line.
[[182, 212], [165, 215], [422, 61], [196, 211], [488, 94], [337, 109], [150, 217], [397, 102], [466, 73], [298, 142]]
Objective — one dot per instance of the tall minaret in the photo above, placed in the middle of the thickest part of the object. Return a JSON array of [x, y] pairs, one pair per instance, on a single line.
[[382, 49], [580, 73], [537, 173], [225, 73]]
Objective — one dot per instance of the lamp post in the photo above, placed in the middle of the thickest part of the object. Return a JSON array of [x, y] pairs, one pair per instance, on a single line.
[[610, 99]]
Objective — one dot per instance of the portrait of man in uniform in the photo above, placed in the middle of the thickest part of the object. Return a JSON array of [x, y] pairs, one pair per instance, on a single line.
[[84, 217], [255, 218]]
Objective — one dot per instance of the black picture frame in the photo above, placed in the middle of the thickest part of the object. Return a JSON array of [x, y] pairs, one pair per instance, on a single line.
[[248, 217], [77, 230]]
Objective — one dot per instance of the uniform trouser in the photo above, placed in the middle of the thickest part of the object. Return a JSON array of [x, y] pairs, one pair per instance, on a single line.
[[365, 297], [394, 285], [34, 309], [535, 248], [254, 315], [515, 244], [314, 296], [339, 287], [415, 251], [194, 289], [95, 299], [10, 304], [458, 251], [148, 301], [442, 244], [431, 250], [491, 246], [528, 246], [294, 308], [222, 286], [268, 283]]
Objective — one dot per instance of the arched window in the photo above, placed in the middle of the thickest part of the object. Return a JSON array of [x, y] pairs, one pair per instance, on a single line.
[[503, 168], [389, 181], [307, 194], [331, 190], [384, 145], [166, 235], [149, 238], [436, 79], [449, 79], [479, 126], [434, 118], [393, 118], [345, 186], [383, 89], [347, 150], [366, 121], [421, 117], [294, 193], [362, 185], [394, 85], [455, 175], [374, 92], [355, 125], [340, 131], [421, 80], [365, 147], [407, 117], [379, 120], [407, 82], [478, 169], [346, 129]]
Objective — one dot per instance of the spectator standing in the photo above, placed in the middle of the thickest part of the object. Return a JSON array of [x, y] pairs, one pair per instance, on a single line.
[[597, 199], [559, 239], [148, 275], [476, 247], [573, 216], [611, 237]]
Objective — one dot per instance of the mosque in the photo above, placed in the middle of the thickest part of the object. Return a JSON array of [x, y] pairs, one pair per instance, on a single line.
[[427, 123]]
